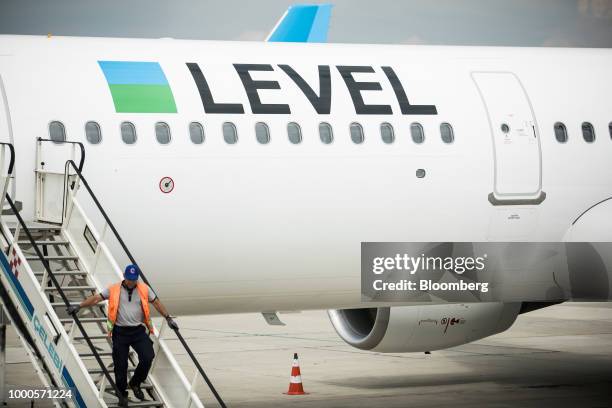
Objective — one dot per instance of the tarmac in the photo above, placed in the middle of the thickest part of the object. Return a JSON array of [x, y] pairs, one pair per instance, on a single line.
[[560, 356]]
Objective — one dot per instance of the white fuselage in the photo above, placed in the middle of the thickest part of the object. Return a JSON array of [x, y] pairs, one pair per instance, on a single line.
[[252, 227]]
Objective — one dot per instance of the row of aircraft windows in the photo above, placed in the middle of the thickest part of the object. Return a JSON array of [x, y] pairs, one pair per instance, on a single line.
[[588, 132], [93, 132]]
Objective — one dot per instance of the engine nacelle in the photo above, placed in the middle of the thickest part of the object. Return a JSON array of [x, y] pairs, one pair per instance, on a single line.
[[422, 327]]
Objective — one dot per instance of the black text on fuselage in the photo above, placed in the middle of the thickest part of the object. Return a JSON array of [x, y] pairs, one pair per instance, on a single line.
[[321, 101]]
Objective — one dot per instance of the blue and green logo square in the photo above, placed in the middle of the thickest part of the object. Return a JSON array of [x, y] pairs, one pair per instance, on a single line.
[[138, 87]]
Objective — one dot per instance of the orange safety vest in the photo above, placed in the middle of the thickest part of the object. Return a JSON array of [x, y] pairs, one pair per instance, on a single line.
[[113, 305]]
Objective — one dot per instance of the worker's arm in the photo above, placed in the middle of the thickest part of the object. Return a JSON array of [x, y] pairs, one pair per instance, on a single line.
[[159, 306], [90, 301]]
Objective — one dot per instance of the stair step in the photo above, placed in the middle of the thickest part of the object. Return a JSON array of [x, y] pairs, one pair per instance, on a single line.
[[60, 304], [100, 353], [138, 404], [62, 273], [84, 319], [46, 242], [69, 288], [94, 371], [38, 229], [53, 258], [94, 337], [143, 385]]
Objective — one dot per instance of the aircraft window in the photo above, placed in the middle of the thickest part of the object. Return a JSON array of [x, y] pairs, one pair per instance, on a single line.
[[588, 133], [196, 132], [356, 133], [262, 133], [325, 133], [294, 133], [610, 129], [386, 133], [560, 132], [230, 134], [446, 132], [57, 131], [162, 132], [417, 133], [93, 134], [128, 133]]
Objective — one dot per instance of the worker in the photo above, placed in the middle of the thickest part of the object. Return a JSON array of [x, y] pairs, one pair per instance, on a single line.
[[129, 325]]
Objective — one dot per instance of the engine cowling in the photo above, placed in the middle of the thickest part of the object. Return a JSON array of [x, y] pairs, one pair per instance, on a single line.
[[422, 327]]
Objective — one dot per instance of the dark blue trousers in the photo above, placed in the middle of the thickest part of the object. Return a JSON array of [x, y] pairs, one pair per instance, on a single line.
[[137, 338]]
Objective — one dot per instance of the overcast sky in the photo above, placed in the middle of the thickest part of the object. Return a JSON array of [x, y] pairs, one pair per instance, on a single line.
[[576, 23]]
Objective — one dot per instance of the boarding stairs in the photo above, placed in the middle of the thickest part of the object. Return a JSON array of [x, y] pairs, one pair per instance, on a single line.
[[71, 251]]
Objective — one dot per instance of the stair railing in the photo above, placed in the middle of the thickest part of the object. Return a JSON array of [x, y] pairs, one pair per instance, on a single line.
[[70, 164], [49, 272], [21, 327], [62, 294]]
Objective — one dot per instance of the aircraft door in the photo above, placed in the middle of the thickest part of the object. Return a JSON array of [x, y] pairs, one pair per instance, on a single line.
[[516, 143], [5, 125], [6, 136], [53, 176]]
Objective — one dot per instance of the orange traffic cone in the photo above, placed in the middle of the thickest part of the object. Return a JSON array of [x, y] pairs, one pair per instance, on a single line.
[[295, 381]]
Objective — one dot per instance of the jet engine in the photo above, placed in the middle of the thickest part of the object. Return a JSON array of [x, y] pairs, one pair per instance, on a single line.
[[422, 327]]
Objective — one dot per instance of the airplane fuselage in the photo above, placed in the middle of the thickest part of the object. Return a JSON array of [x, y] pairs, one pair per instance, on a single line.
[[252, 226]]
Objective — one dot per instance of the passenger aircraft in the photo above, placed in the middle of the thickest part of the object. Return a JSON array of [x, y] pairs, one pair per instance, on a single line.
[[245, 175]]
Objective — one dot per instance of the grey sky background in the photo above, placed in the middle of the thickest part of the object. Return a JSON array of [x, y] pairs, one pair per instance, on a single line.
[[566, 23]]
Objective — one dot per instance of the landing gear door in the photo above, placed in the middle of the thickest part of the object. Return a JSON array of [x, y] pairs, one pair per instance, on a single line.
[[516, 143]]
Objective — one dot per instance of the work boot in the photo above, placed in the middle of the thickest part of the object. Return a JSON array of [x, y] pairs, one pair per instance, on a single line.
[[137, 391], [123, 399]]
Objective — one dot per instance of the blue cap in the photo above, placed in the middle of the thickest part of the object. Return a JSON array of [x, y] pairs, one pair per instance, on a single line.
[[131, 272]]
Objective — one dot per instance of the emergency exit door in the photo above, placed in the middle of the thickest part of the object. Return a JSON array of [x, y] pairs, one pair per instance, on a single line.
[[515, 139]]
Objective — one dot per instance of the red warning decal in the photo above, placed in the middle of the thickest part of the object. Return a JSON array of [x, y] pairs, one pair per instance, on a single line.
[[166, 185]]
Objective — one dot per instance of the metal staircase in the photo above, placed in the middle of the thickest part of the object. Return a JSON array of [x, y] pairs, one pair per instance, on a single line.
[[47, 266]]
